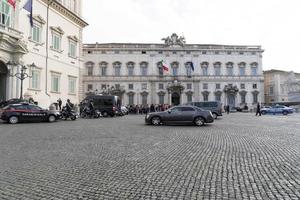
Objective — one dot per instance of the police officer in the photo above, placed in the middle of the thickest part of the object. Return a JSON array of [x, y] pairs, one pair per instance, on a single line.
[[69, 105]]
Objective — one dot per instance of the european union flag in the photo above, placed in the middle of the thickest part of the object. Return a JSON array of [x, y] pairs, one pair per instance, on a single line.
[[28, 7], [192, 66]]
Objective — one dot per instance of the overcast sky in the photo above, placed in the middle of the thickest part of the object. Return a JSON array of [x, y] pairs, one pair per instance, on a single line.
[[273, 24]]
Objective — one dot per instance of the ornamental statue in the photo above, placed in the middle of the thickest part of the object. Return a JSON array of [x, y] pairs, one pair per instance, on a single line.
[[174, 40]]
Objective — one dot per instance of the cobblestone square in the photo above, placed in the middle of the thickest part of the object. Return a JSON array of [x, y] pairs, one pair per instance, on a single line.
[[239, 156]]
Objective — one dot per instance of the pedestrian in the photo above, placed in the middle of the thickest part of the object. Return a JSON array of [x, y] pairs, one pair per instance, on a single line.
[[227, 109], [258, 110], [59, 103]]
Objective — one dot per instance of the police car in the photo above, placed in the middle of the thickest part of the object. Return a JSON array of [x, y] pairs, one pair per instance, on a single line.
[[25, 112]]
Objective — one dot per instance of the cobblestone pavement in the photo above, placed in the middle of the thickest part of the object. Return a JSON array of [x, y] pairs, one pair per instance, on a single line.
[[240, 156]]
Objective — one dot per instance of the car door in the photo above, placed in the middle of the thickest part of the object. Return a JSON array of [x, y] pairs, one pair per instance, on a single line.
[[37, 113], [187, 114], [278, 109], [23, 112], [174, 114]]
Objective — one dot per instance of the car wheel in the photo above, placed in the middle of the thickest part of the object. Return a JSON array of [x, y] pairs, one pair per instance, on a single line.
[[156, 121], [263, 112], [83, 115], [51, 118], [199, 121], [215, 116], [13, 120], [285, 112], [104, 114], [73, 117]]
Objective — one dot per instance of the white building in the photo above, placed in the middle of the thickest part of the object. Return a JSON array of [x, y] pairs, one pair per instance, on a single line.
[[53, 44], [281, 86], [227, 73]]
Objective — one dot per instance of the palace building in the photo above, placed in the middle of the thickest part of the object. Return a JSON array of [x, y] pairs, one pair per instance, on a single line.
[[231, 74], [50, 37]]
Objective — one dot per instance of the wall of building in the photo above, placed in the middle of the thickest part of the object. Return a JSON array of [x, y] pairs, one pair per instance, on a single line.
[[98, 53], [41, 53]]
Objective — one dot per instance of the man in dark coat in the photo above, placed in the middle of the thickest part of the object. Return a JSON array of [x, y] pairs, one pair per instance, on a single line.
[[258, 110], [59, 103]]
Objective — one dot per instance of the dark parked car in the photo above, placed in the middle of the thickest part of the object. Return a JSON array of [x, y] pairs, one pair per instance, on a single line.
[[180, 115], [214, 106], [25, 112]]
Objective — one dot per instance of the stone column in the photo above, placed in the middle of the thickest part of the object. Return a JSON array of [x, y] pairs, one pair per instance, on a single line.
[[196, 91], [152, 92]]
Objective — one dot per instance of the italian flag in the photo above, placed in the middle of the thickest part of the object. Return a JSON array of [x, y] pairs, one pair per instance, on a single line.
[[12, 3], [164, 66]]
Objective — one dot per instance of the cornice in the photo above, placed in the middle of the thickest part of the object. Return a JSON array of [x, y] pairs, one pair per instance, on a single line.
[[66, 12], [161, 47]]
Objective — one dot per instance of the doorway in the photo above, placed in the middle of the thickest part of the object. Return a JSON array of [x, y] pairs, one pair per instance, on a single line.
[[175, 99], [231, 100], [3, 81]]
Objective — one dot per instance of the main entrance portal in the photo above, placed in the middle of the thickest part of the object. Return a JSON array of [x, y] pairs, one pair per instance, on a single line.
[[175, 99], [3, 80]]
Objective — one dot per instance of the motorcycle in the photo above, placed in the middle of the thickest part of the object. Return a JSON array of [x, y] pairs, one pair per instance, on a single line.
[[90, 113], [66, 114]]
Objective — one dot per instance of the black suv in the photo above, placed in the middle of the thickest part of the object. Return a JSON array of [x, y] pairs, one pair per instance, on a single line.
[[214, 106], [25, 112]]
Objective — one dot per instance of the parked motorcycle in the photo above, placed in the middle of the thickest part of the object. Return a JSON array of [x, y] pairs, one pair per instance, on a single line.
[[89, 113], [66, 114]]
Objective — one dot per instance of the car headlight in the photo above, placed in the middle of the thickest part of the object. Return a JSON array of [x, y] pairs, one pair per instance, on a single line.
[[147, 116]]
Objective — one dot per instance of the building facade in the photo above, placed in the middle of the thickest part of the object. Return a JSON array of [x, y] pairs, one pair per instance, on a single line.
[[53, 43], [226, 73], [281, 86]]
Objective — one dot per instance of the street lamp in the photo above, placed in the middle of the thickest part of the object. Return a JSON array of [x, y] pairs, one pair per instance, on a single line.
[[22, 75]]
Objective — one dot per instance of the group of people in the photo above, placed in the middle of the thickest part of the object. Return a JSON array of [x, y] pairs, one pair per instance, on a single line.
[[69, 106], [144, 109]]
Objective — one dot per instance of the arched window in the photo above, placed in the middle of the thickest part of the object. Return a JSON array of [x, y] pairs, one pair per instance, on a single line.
[[254, 66], [90, 68], [160, 69], [217, 68], [204, 67], [175, 66], [103, 68], [130, 68], [188, 68], [144, 68], [242, 69], [117, 68], [229, 68]]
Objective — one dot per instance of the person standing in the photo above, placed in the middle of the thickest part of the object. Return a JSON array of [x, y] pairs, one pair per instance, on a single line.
[[258, 110], [227, 109], [59, 103]]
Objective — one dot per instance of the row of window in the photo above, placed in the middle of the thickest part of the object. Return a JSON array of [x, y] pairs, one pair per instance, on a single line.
[[6, 19], [174, 68], [167, 53], [55, 82], [56, 39], [205, 96], [161, 86]]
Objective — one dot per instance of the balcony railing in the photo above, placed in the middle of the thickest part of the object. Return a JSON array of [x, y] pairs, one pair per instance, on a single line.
[[11, 31]]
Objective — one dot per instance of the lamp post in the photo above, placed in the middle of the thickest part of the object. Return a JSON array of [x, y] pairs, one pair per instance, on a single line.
[[22, 75]]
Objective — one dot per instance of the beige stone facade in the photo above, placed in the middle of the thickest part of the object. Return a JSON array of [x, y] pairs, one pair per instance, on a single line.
[[53, 44], [281, 86]]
